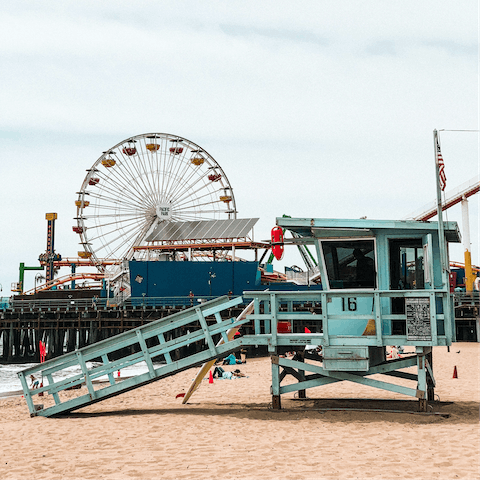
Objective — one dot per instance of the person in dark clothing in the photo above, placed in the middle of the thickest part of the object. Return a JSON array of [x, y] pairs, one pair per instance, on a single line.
[[365, 273]]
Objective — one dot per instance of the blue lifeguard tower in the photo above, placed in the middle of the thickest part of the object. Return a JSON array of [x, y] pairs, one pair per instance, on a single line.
[[385, 283]]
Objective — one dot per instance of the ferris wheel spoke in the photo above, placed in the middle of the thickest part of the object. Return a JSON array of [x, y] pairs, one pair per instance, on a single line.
[[143, 172], [134, 239], [187, 211], [129, 171], [163, 157], [193, 169], [117, 246], [184, 166], [198, 207], [190, 193], [121, 196], [117, 201], [114, 189], [168, 183], [131, 164], [194, 213], [119, 182], [191, 181], [107, 238], [121, 172], [105, 205], [175, 162], [153, 163], [110, 215], [190, 218], [188, 201], [122, 205], [105, 208], [117, 224], [133, 181], [168, 173]]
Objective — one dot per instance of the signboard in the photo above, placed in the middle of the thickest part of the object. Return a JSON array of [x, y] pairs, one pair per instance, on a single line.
[[164, 211], [418, 318]]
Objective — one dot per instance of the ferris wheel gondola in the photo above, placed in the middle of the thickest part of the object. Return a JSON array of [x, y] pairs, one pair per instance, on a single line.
[[144, 180]]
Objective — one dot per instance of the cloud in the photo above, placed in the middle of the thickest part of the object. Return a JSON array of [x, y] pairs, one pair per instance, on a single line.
[[311, 108]]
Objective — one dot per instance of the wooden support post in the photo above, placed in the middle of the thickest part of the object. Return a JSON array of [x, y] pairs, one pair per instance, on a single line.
[[16, 341], [301, 373], [276, 403], [430, 381], [422, 380], [10, 343]]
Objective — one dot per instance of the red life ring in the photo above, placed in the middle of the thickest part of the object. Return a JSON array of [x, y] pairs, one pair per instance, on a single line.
[[277, 242]]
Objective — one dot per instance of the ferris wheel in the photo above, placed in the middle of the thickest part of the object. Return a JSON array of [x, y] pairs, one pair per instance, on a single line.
[[141, 181]]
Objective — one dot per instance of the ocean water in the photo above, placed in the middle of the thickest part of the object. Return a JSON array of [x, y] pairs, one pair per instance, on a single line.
[[9, 381]]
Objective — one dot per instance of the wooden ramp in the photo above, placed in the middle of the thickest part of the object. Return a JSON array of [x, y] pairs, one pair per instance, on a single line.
[[154, 341]]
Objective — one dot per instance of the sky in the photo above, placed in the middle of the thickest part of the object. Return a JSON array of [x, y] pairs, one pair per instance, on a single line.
[[312, 108]]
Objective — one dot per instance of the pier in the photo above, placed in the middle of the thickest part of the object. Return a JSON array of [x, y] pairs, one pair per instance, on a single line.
[[66, 325]]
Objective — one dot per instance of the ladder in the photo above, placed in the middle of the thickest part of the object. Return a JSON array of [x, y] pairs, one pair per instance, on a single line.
[[156, 340]]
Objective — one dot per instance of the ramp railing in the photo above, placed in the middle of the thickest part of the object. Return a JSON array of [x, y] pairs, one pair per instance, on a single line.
[[152, 342]]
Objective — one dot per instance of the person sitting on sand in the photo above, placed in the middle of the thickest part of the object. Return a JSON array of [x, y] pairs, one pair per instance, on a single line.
[[231, 360]]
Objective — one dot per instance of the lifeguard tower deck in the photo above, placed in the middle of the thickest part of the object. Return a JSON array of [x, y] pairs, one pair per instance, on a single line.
[[384, 283]]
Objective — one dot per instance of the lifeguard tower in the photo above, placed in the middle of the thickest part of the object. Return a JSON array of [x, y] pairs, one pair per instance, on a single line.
[[385, 283]]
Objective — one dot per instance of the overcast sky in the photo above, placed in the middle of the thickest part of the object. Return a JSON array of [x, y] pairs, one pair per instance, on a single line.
[[313, 109]]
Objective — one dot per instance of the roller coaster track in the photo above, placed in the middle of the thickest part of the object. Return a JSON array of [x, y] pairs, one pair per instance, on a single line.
[[65, 279], [453, 197]]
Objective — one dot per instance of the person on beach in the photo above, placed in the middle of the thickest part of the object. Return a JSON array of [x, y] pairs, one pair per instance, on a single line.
[[231, 360], [219, 372], [35, 382]]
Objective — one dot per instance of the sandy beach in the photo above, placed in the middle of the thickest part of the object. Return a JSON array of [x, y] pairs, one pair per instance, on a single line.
[[229, 431]]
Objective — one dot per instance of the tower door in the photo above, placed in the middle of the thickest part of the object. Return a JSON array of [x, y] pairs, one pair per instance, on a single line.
[[407, 272], [428, 261]]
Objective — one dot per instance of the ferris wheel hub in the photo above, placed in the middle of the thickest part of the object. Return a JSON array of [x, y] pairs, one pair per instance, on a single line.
[[164, 211]]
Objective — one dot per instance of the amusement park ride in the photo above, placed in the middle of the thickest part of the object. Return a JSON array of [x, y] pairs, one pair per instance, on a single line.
[[157, 217]]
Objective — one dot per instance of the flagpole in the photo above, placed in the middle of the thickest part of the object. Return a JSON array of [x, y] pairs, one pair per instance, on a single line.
[[441, 234]]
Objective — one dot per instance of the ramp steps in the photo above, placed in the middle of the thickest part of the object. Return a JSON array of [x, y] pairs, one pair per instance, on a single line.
[[152, 341]]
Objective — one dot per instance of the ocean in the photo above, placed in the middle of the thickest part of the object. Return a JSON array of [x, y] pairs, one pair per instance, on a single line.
[[9, 381]]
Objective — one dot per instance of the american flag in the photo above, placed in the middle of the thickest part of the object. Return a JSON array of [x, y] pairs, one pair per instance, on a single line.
[[441, 166]]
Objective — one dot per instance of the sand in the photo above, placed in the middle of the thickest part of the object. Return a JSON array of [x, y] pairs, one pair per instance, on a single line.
[[228, 431]]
